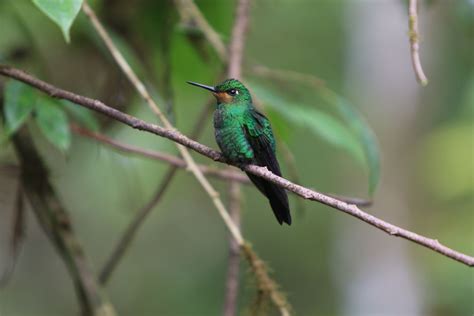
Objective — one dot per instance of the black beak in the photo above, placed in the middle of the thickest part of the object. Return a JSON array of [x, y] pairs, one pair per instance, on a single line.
[[212, 89]]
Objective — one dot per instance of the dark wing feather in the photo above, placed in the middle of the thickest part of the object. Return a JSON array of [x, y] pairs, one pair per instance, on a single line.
[[260, 137]]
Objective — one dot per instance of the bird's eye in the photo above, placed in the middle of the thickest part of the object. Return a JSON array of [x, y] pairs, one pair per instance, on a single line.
[[233, 92]]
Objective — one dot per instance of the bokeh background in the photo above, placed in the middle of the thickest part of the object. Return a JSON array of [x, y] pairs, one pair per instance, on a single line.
[[328, 263]]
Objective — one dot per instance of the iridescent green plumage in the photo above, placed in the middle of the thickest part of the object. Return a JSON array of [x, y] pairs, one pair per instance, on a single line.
[[245, 136]]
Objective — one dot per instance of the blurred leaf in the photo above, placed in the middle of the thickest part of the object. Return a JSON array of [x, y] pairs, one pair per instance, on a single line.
[[19, 103], [355, 123], [321, 124], [62, 12], [83, 116], [53, 122], [365, 136]]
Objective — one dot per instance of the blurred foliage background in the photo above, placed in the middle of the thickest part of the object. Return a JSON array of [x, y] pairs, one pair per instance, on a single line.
[[326, 262]]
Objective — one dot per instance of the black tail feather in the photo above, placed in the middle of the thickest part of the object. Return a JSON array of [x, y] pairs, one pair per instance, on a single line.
[[276, 196]]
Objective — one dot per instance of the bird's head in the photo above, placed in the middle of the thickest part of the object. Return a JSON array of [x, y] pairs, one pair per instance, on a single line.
[[228, 92]]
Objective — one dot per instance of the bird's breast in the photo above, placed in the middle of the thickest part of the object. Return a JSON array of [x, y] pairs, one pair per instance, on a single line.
[[231, 138]]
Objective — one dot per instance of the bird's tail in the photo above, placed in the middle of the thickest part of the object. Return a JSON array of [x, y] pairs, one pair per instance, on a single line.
[[276, 196]]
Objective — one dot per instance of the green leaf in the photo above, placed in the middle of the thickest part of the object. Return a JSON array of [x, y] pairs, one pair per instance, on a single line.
[[62, 12], [365, 136], [321, 124], [53, 122], [357, 126], [19, 103], [81, 115]]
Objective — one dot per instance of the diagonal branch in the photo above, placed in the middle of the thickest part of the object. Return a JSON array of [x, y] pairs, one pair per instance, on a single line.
[[262, 172]]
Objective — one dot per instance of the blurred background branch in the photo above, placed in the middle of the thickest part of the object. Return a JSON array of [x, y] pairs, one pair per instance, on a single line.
[[57, 225]]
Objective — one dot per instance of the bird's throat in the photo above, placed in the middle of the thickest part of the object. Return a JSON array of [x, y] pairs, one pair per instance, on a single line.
[[223, 97]]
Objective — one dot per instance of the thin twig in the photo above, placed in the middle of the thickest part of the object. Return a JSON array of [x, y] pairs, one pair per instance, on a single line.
[[190, 15], [224, 174], [262, 172], [414, 42]]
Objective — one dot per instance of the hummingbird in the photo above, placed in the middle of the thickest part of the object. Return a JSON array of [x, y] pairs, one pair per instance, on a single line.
[[245, 136]]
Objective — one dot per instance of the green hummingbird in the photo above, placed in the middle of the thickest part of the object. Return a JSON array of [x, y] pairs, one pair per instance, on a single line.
[[245, 136]]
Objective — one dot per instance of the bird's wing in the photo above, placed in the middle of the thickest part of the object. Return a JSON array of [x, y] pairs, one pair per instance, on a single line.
[[260, 136]]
